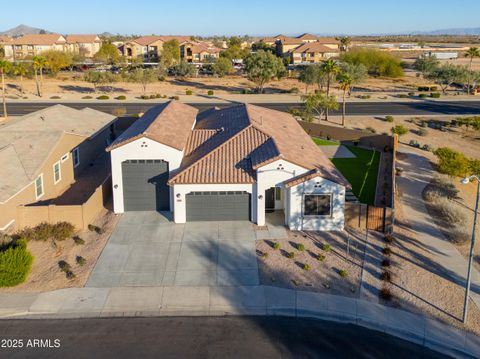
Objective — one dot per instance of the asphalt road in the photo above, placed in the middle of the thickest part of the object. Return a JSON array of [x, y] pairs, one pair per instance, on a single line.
[[426, 107], [199, 337]]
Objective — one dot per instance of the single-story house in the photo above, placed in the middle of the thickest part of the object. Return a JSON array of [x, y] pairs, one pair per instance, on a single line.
[[226, 164], [42, 153]]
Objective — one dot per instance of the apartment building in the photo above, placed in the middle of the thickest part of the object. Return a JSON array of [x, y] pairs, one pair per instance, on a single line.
[[192, 51], [148, 48]]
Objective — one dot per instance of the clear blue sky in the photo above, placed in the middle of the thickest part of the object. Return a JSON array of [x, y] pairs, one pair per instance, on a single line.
[[208, 17]]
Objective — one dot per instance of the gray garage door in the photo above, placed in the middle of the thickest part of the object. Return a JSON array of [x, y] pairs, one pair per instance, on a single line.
[[218, 206], [145, 185]]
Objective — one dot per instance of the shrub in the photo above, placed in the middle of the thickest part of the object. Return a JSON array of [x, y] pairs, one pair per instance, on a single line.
[[385, 294], [55, 97], [94, 228], [411, 94], [387, 251], [264, 255], [78, 240], [294, 90], [40, 232], [64, 266], [320, 257], [306, 267], [69, 274], [62, 231], [291, 255], [103, 97], [80, 260], [389, 118], [399, 130], [276, 246], [435, 95], [174, 98], [422, 132], [210, 92], [378, 63], [188, 92], [326, 247], [364, 97], [15, 263], [428, 148], [300, 247], [414, 143], [423, 88], [145, 97], [459, 235], [451, 162], [161, 78], [370, 129], [423, 95], [449, 211], [386, 263], [433, 88], [386, 276], [403, 96], [121, 97], [343, 273]]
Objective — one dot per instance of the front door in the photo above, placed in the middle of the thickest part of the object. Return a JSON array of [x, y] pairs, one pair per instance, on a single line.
[[270, 198]]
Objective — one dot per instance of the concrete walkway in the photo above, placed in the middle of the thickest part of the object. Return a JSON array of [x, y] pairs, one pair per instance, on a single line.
[[242, 300], [417, 173]]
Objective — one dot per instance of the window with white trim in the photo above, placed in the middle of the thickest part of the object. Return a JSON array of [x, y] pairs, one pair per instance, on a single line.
[[317, 205], [76, 156], [57, 172], [39, 186], [64, 157]]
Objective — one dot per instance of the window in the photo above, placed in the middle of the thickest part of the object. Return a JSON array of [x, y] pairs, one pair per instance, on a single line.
[[57, 172], [64, 157], [39, 186], [278, 194], [318, 205], [76, 156]]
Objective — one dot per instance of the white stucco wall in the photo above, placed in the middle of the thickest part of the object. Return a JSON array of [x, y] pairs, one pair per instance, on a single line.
[[294, 212], [141, 149], [179, 203], [272, 175]]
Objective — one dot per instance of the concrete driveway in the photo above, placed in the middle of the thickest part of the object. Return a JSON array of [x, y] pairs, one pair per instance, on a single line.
[[146, 249]]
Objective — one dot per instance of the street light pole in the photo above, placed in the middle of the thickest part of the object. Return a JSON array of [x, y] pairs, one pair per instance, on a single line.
[[472, 245]]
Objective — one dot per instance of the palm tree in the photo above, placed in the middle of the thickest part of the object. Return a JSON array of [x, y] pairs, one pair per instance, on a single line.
[[346, 82], [4, 68], [345, 42], [39, 63], [20, 70], [330, 68], [471, 53]]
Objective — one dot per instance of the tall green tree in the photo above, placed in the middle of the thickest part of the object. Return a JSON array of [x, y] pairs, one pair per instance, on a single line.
[[39, 64], [471, 53], [331, 69], [345, 42], [5, 67], [357, 72], [317, 105], [170, 53], [426, 65], [309, 76], [57, 60], [262, 67], [222, 67], [20, 70], [345, 82], [108, 54], [447, 74]]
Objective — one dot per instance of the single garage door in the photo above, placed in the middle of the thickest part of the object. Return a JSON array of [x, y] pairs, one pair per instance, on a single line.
[[218, 206], [145, 185]]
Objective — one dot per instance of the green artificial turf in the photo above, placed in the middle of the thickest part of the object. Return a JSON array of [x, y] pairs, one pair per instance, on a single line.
[[322, 142], [361, 172]]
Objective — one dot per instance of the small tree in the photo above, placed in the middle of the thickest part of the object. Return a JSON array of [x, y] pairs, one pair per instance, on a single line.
[[39, 63], [345, 42], [143, 77], [108, 54], [262, 67], [451, 162], [447, 74], [185, 69], [5, 67], [222, 67], [399, 130], [357, 72], [471, 53], [99, 78], [318, 104], [309, 76], [20, 70], [426, 65], [57, 60], [345, 82], [170, 53]]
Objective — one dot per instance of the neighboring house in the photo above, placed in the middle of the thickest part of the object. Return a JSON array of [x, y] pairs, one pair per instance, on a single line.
[[6, 50], [230, 164], [148, 48], [86, 45], [311, 52], [286, 46], [192, 51], [42, 153], [34, 44]]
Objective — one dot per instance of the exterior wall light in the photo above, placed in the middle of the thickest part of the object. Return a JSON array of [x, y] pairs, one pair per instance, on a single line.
[[178, 195], [116, 186], [260, 196]]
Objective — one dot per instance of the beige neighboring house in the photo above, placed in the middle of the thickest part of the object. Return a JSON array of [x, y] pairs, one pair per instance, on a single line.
[[34, 44], [87, 45], [311, 52], [42, 154], [192, 51], [148, 48], [6, 50]]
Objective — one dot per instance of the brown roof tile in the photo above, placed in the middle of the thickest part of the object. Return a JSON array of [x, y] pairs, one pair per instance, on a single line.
[[73, 39], [147, 40], [39, 39], [313, 47], [169, 123]]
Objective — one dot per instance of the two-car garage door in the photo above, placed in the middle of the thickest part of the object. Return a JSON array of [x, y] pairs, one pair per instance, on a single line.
[[218, 206]]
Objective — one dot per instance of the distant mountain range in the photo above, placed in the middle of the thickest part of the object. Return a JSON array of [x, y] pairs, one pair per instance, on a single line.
[[471, 31], [23, 30]]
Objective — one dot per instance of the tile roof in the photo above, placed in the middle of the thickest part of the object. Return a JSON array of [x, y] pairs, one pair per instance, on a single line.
[[305, 177], [307, 36], [5, 39], [39, 39], [246, 138], [169, 123], [147, 40], [73, 39], [26, 142], [313, 47]]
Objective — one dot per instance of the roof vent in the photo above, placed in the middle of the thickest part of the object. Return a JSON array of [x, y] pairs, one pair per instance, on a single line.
[[222, 129], [42, 118]]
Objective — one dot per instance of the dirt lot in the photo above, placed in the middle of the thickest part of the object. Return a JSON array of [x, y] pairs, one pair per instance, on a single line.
[[46, 274], [276, 269]]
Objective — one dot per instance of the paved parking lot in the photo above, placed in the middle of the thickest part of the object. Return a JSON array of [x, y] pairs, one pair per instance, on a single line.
[[146, 249]]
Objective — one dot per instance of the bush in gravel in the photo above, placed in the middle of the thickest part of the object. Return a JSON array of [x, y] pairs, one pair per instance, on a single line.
[[121, 97], [69, 274], [87, 97], [103, 97], [422, 132], [386, 263], [291, 255], [15, 263], [459, 235], [210, 93], [188, 92], [64, 266], [306, 267], [78, 240], [276, 246], [320, 258], [300, 247], [387, 251], [326, 247], [449, 211], [80, 260], [423, 95], [386, 276], [62, 231], [385, 293], [389, 118], [94, 228], [343, 273]]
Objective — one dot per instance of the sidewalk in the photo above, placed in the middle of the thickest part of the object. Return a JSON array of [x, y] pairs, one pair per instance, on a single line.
[[417, 173], [251, 300]]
